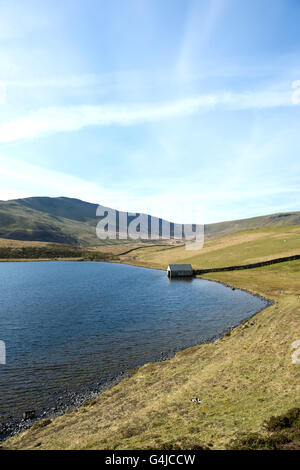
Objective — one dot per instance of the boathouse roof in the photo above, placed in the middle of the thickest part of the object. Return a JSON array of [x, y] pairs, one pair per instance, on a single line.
[[180, 267]]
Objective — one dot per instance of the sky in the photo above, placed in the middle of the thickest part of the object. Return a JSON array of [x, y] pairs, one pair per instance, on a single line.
[[184, 109]]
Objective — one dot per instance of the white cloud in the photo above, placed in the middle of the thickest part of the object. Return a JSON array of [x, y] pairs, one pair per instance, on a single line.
[[58, 119], [66, 82], [32, 180], [192, 204]]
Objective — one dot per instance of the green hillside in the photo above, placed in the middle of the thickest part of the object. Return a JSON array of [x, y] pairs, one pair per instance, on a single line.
[[73, 222], [59, 220], [226, 228]]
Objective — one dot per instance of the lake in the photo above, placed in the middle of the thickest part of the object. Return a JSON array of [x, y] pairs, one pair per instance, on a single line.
[[71, 326]]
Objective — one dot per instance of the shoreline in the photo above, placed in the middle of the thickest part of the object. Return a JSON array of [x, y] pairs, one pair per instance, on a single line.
[[74, 400]]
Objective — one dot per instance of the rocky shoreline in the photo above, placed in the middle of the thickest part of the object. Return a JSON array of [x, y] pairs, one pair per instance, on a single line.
[[64, 402]]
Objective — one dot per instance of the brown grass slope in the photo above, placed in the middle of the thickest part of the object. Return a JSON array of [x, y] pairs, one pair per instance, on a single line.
[[16, 250], [243, 378]]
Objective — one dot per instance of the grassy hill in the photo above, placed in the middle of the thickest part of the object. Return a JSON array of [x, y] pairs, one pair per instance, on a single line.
[[243, 379], [58, 220], [249, 246], [225, 228], [71, 221]]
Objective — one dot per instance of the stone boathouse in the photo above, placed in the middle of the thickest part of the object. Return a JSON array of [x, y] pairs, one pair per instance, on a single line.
[[180, 270]]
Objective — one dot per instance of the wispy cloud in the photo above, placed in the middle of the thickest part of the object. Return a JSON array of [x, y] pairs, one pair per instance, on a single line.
[[201, 21], [18, 19], [73, 81], [57, 119], [29, 179], [191, 204]]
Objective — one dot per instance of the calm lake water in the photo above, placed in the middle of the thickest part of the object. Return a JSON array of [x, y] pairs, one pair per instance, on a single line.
[[69, 325]]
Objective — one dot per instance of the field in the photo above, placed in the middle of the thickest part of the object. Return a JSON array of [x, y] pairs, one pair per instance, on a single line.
[[242, 379], [249, 246], [16, 250]]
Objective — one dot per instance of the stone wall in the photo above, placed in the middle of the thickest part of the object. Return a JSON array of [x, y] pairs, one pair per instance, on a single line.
[[246, 266]]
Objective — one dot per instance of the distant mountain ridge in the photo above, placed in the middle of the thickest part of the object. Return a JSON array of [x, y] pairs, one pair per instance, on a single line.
[[72, 221], [220, 229]]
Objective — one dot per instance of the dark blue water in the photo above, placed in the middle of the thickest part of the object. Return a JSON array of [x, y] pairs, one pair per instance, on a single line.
[[68, 325]]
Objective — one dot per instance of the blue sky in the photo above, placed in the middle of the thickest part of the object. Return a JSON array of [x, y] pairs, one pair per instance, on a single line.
[[183, 109]]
